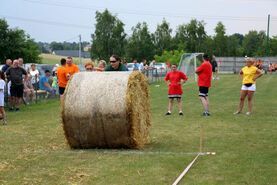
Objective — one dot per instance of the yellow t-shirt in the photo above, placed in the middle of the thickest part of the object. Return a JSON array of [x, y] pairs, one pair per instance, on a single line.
[[248, 74]]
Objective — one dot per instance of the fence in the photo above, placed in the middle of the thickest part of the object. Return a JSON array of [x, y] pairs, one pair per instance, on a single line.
[[234, 64]]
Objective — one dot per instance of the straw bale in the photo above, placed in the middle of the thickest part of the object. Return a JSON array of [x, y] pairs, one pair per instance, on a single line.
[[106, 110]]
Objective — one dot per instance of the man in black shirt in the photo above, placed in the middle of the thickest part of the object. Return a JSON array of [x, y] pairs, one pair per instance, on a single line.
[[15, 75]]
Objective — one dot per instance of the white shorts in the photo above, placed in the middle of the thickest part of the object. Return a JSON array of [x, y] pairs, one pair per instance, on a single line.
[[251, 88]]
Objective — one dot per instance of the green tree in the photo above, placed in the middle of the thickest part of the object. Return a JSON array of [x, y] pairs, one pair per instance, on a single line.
[[109, 36], [14, 43], [140, 45], [220, 40], [233, 46], [191, 36], [254, 43], [162, 37], [273, 46], [173, 56]]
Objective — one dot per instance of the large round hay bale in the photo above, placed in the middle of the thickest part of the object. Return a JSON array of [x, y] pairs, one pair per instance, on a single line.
[[106, 110]]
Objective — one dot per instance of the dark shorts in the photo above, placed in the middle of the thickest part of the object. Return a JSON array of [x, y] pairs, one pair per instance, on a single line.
[[203, 91], [177, 96], [61, 90], [17, 90]]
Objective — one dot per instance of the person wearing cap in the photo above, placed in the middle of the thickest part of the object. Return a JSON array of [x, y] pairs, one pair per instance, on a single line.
[[204, 72], [115, 64], [44, 83], [249, 74], [34, 76]]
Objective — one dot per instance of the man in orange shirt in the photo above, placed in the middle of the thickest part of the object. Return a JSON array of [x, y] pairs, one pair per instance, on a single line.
[[61, 74], [71, 68]]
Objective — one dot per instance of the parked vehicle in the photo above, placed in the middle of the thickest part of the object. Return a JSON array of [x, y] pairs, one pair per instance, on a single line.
[[130, 66], [161, 69]]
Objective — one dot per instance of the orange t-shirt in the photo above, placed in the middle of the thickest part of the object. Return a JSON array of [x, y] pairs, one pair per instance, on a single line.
[[72, 69], [61, 74]]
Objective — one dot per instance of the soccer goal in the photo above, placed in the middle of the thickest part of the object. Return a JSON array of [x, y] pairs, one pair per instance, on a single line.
[[188, 64]]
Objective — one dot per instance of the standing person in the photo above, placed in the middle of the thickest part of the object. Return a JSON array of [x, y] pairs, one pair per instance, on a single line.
[[174, 80], [7, 65], [214, 68], [34, 76], [71, 68], [15, 74], [2, 88], [204, 72], [115, 64], [249, 75], [62, 78]]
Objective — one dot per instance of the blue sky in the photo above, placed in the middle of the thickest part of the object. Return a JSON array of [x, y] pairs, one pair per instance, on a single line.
[[64, 20]]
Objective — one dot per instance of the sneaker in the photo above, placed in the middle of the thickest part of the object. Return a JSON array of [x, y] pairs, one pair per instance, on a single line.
[[237, 112], [206, 114], [248, 113], [181, 113], [16, 109], [168, 113]]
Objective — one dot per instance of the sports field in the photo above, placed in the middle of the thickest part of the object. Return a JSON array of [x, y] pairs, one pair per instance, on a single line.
[[33, 149]]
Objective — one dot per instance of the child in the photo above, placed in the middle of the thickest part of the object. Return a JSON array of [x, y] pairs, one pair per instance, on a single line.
[[2, 87]]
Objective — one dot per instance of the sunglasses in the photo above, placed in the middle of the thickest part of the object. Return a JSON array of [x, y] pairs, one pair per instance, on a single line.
[[113, 61], [89, 69]]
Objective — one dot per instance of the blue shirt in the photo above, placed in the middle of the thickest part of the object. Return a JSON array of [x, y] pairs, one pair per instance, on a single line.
[[42, 80]]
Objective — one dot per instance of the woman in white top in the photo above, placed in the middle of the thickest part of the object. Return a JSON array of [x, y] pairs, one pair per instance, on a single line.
[[2, 88], [34, 76]]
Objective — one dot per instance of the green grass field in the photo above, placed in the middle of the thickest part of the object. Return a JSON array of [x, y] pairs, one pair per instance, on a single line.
[[34, 150], [55, 59]]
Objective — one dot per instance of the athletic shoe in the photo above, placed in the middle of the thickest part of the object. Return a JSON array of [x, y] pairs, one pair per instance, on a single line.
[[181, 113], [237, 112], [168, 113], [16, 109], [248, 113], [206, 114]]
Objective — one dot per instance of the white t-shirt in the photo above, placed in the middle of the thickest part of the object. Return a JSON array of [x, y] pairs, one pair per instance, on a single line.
[[33, 74], [2, 88]]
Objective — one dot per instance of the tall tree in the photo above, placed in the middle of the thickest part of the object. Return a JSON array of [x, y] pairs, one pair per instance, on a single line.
[[162, 37], [191, 37], [273, 46], [254, 43], [109, 36], [140, 44], [14, 43], [220, 40]]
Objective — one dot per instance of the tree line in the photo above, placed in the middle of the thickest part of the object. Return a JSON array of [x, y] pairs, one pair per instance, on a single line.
[[110, 37]]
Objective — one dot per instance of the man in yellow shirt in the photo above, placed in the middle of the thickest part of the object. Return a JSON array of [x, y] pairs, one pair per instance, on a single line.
[[249, 75]]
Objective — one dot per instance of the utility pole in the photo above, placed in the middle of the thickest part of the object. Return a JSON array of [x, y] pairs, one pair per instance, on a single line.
[[267, 37], [80, 49]]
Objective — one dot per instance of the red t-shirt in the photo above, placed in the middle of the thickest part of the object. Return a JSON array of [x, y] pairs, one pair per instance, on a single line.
[[175, 78], [204, 72]]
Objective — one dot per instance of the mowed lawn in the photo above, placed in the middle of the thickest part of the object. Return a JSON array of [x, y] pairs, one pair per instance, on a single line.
[[33, 149], [55, 59]]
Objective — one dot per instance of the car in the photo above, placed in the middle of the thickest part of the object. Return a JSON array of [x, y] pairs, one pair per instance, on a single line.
[[161, 68], [130, 66]]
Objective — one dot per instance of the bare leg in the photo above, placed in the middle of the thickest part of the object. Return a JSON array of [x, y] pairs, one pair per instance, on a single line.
[[205, 103], [170, 104], [243, 94], [17, 102], [250, 98], [179, 100]]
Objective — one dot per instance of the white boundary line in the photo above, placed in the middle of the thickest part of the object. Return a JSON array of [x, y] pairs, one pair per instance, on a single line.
[[185, 171]]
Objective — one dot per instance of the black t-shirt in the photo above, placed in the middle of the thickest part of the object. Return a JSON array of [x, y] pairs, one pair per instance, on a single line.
[[15, 75]]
